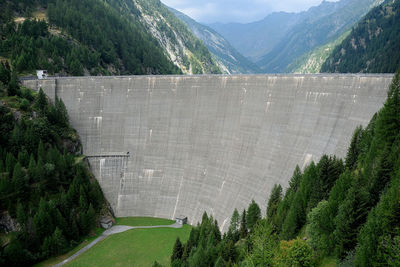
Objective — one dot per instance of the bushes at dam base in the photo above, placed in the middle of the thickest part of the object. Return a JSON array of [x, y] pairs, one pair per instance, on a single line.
[[344, 211], [48, 198]]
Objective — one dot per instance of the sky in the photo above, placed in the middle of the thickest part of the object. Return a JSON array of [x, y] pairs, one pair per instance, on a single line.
[[210, 11]]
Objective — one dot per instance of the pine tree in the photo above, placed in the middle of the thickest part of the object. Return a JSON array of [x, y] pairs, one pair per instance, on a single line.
[[243, 225], [235, 221], [90, 217], [294, 183], [59, 242], [22, 217], [177, 251], [19, 181], [41, 102], [354, 149], [351, 216], [23, 158], [32, 169], [10, 163], [42, 221], [41, 151], [273, 203], [375, 239], [13, 86], [253, 215]]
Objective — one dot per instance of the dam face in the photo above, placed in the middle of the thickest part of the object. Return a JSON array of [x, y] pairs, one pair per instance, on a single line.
[[210, 143]]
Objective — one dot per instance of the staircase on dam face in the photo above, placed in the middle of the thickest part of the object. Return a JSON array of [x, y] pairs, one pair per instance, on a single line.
[[213, 142]]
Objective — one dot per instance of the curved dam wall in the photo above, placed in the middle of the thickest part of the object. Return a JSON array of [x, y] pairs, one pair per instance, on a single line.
[[210, 143]]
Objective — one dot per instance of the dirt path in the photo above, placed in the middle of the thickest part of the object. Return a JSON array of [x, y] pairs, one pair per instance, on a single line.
[[113, 230]]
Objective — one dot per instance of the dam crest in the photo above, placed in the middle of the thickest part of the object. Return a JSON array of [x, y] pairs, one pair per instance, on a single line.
[[162, 146]]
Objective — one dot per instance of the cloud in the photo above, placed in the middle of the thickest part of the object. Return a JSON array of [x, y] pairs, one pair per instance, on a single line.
[[210, 11]]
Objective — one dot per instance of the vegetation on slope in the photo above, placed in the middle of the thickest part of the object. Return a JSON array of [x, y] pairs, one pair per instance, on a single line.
[[347, 210], [311, 62], [80, 37], [319, 25], [182, 47], [373, 45], [47, 193]]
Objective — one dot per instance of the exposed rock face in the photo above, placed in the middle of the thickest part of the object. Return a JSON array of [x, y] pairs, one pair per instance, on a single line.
[[8, 224], [210, 143]]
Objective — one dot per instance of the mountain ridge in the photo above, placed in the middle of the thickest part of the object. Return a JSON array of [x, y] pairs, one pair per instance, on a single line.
[[280, 39], [372, 45], [227, 56]]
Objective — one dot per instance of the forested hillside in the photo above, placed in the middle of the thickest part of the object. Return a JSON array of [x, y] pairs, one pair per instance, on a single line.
[[336, 211], [179, 43], [373, 45], [320, 25], [76, 38], [49, 200]]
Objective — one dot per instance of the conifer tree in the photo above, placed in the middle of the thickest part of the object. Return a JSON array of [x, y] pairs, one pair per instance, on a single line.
[[243, 225], [13, 86], [41, 151], [235, 221], [177, 251], [253, 215], [41, 102], [351, 216], [18, 180], [273, 203], [354, 149]]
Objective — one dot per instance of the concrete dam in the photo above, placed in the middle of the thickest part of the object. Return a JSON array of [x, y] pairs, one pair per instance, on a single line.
[[165, 146]]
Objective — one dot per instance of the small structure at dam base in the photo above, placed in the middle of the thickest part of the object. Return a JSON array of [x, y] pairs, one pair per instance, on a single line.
[[106, 222], [181, 219]]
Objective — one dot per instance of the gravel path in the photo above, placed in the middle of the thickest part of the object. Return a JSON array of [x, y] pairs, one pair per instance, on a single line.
[[113, 230]]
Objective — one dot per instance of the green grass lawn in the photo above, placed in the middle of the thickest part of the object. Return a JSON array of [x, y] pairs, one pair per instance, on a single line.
[[142, 221], [137, 247]]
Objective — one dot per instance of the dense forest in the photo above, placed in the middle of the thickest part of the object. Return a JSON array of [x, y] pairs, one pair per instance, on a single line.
[[79, 37], [346, 211], [48, 197], [372, 46]]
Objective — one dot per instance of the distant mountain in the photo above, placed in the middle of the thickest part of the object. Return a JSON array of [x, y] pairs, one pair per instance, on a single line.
[[285, 37], [180, 44], [322, 24], [372, 46], [254, 40], [228, 58]]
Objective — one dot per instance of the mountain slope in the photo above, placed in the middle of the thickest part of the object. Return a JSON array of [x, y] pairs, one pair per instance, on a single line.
[[312, 61], [333, 20], [228, 58], [81, 37], [254, 40], [372, 46], [182, 47]]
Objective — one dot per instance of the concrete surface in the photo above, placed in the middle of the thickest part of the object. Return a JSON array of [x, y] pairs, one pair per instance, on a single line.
[[210, 143], [113, 230]]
